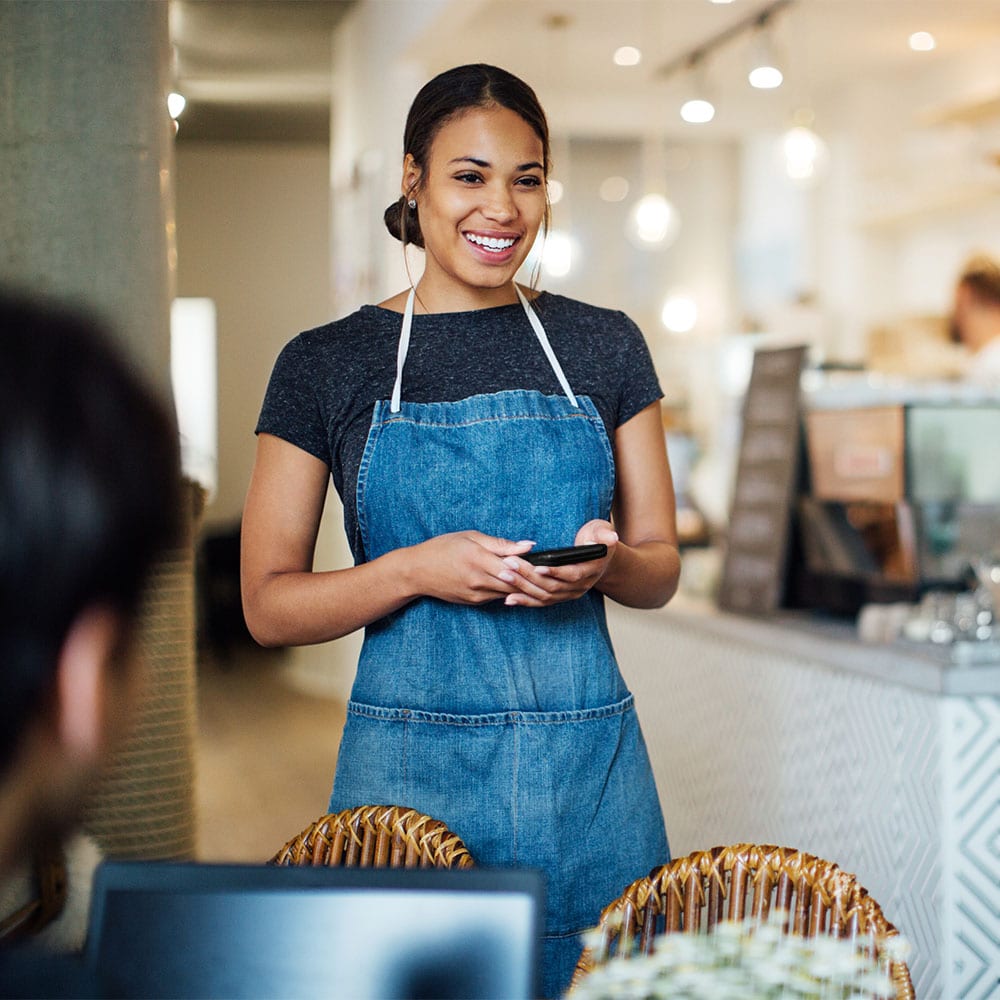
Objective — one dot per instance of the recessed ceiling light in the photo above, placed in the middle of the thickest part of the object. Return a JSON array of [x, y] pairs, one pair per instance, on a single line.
[[922, 41], [627, 55]]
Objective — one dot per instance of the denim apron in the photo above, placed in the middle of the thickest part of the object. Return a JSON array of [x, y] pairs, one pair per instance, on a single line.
[[513, 725]]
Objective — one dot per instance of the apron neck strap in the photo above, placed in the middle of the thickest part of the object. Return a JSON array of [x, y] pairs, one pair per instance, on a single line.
[[536, 325], [402, 348]]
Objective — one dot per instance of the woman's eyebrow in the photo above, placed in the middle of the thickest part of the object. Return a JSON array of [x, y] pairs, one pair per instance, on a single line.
[[533, 165]]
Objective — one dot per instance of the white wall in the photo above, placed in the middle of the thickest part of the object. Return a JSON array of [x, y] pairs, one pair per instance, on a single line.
[[252, 234]]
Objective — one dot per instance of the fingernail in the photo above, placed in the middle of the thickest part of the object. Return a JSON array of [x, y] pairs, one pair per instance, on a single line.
[[525, 541], [510, 561], [506, 577], [509, 600]]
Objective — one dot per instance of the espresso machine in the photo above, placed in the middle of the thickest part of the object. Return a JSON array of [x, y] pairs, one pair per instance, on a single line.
[[900, 493]]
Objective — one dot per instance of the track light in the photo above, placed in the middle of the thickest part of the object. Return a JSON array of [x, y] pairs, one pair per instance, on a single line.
[[697, 108], [765, 73]]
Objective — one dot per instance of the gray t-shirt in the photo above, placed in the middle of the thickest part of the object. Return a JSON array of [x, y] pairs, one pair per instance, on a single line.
[[326, 381]]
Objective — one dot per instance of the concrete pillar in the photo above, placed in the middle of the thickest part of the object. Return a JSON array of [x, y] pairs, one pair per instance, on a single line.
[[86, 153], [86, 216]]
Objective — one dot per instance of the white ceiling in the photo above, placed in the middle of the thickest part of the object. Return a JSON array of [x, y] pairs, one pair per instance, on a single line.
[[260, 68]]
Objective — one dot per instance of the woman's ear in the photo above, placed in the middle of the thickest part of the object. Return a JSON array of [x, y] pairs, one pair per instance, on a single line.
[[411, 176], [82, 682]]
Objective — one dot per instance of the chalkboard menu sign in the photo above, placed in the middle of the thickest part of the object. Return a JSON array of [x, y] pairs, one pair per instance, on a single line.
[[753, 573]]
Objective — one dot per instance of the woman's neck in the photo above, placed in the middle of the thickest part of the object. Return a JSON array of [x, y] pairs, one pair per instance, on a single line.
[[434, 297]]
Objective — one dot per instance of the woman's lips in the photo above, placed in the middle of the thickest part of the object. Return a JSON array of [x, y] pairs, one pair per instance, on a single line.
[[497, 249]]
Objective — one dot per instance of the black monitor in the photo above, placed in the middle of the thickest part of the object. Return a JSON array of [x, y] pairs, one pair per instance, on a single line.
[[168, 929]]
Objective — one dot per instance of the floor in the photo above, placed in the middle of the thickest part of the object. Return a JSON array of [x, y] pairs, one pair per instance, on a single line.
[[266, 750]]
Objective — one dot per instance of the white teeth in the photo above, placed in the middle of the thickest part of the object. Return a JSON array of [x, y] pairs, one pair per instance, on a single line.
[[490, 242]]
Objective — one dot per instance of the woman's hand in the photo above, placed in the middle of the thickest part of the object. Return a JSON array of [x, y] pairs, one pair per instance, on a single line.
[[542, 586], [463, 567]]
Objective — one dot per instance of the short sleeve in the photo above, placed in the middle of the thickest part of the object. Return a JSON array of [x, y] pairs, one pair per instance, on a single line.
[[640, 384], [291, 410]]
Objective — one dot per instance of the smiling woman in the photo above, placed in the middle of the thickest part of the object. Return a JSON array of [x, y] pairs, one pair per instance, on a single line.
[[480, 201], [461, 433]]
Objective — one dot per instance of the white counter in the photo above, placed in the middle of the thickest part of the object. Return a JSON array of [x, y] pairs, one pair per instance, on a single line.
[[885, 759]]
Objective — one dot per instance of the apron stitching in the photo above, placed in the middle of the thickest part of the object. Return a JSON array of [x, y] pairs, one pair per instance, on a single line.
[[518, 716], [514, 796], [450, 425]]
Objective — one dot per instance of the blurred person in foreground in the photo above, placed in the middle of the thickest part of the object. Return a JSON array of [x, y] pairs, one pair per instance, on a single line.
[[89, 500], [975, 320]]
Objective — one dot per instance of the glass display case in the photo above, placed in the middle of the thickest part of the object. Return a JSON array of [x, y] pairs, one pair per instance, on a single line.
[[900, 496]]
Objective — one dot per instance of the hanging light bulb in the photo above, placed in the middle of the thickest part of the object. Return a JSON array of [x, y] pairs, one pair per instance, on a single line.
[[557, 254], [803, 152], [680, 313], [654, 221]]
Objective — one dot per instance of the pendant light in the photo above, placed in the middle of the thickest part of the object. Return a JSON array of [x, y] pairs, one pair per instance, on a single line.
[[653, 221], [765, 71], [697, 108]]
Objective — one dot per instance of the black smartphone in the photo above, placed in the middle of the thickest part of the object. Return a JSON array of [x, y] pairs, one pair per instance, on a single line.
[[563, 557]]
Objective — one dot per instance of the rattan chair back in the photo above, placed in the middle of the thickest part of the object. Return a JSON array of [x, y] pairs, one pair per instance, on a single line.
[[746, 881], [376, 837]]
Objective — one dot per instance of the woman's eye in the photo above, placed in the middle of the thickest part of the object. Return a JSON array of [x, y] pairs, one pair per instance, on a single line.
[[530, 181], [470, 178]]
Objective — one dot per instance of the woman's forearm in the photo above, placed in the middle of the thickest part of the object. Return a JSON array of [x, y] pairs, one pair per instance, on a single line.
[[297, 608], [644, 575]]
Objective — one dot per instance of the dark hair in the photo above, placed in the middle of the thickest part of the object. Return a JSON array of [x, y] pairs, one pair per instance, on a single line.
[[477, 85], [89, 492], [981, 276]]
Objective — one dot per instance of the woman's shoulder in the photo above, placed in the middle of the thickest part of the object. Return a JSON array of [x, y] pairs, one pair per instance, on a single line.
[[359, 330], [582, 315], [564, 305]]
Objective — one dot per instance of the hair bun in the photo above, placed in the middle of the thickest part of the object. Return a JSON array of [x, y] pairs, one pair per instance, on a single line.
[[394, 218], [402, 223]]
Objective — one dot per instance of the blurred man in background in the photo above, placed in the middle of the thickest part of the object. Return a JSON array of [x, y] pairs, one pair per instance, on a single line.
[[975, 319], [89, 499]]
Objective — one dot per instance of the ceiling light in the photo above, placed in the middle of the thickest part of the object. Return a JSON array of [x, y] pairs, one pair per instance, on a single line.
[[557, 254], [764, 73], [697, 108], [613, 189], [804, 153], [765, 77], [697, 111], [679, 314], [654, 221], [175, 105], [922, 41], [627, 55], [555, 190]]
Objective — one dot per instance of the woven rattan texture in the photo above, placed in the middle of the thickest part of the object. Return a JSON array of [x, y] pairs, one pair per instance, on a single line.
[[745, 881], [376, 837], [145, 806]]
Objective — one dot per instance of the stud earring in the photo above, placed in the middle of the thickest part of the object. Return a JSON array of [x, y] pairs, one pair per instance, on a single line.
[[412, 203]]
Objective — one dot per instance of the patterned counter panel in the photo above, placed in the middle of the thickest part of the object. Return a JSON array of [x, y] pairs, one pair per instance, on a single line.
[[752, 743]]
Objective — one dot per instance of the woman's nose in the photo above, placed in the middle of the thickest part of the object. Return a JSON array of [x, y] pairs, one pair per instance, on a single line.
[[499, 204]]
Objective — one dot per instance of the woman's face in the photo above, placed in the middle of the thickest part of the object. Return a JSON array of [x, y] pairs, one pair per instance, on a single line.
[[480, 204]]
